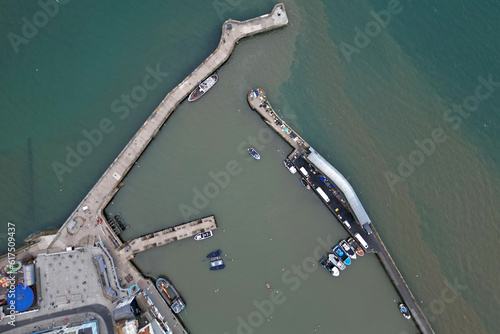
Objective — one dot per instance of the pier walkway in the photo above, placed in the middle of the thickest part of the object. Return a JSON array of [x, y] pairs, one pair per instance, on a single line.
[[91, 208], [179, 232], [258, 101], [102, 192]]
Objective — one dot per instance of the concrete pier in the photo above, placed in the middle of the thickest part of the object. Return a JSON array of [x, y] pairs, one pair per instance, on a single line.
[[87, 225], [351, 212], [102, 192], [163, 237]]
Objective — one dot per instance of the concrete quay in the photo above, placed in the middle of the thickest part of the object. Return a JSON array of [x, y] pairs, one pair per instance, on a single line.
[[162, 237], [258, 101], [87, 226], [109, 183]]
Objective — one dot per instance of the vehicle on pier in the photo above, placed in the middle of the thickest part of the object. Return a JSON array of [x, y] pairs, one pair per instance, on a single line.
[[354, 245], [290, 166], [254, 153], [328, 266], [347, 249], [304, 183], [342, 255], [323, 195], [361, 240], [203, 88], [336, 261], [404, 311], [203, 235], [171, 296], [216, 263], [346, 224]]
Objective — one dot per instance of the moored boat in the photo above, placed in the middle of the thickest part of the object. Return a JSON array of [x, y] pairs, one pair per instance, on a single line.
[[342, 255], [171, 296], [336, 261], [214, 254], [216, 263], [291, 168], [203, 88], [354, 245], [328, 266], [404, 311], [203, 235], [347, 249], [304, 183], [254, 153]]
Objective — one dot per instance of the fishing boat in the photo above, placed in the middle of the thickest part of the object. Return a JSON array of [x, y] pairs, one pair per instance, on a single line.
[[269, 286], [214, 254], [216, 263], [328, 266], [254, 153], [203, 235], [342, 255], [354, 245], [336, 261], [171, 296], [347, 249], [291, 168], [404, 311], [203, 88], [304, 183]]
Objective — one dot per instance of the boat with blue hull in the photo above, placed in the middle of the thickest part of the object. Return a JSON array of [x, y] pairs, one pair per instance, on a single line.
[[254, 153], [342, 255], [214, 254], [404, 311], [171, 296], [347, 249]]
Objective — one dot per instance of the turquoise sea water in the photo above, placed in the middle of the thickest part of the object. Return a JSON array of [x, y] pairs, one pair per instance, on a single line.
[[440, 223]]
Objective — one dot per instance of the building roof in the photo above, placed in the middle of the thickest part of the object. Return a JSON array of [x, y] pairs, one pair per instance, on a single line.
[[326, 168]]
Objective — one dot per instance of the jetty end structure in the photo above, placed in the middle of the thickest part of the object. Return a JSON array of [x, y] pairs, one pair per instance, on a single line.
[[87, 226], [341, 200]]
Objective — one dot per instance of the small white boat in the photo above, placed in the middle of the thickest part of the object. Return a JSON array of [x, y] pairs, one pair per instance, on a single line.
[[254, 153], [290, 166], [203, 235]]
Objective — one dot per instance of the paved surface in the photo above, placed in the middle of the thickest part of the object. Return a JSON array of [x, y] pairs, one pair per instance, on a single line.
[[258, 101], [38, 323], [167, 235], [173, 322]]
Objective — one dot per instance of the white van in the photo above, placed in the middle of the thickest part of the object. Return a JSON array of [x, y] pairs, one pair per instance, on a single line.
[[361, 240], [346, 223]]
